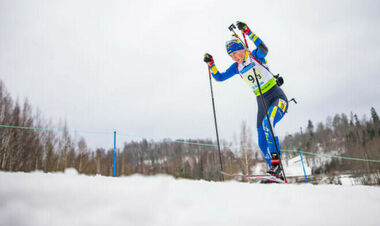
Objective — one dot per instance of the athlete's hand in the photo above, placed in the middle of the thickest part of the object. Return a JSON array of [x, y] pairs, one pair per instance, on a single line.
[[208, 59], [243, 27]]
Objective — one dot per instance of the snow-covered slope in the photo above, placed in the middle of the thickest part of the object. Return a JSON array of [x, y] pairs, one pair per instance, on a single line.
[[293, 167], [72, 199]]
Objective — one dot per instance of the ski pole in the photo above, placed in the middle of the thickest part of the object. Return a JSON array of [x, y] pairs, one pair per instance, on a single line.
[[246, 43], [216, 125], [231, 28]]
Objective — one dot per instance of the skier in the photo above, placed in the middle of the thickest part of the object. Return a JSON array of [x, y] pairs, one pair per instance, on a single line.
[[274, 97]]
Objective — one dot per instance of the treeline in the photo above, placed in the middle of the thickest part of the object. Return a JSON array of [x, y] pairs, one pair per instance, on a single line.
[[180, 158], [26, 149], [344, 136]]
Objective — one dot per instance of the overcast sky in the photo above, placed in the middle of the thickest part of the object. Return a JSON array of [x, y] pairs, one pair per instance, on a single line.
[[137, 66]]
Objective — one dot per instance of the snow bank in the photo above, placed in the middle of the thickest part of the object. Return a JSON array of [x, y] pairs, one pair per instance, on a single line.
[[293, 167], [71, 199]]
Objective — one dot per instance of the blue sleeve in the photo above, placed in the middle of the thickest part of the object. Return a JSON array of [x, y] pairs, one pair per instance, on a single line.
[[221, 76], [256, 53], [261, 50]]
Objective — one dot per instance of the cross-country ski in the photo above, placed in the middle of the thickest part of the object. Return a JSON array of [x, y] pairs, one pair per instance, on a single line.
[[263, 178]]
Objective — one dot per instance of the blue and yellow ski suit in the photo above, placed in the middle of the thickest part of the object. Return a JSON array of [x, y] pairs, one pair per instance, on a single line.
[[274, 98]]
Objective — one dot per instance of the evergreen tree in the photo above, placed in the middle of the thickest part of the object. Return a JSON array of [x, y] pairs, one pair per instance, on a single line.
[[375, 117], [310, 127], [376, 121]]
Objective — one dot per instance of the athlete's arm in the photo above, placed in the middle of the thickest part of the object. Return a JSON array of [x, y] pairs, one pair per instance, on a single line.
[[262, 50], [221, 76]]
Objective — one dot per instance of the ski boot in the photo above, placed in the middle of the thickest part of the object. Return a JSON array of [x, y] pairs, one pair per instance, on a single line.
[[275, 169]]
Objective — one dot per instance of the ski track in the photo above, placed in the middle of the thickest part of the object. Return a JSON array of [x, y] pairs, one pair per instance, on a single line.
[[71, 199]]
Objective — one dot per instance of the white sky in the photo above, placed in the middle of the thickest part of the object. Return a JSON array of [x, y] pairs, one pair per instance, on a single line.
[[137, 66]]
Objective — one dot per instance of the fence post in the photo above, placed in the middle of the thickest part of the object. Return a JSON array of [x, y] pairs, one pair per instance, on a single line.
[[114, 154], [303, 166]]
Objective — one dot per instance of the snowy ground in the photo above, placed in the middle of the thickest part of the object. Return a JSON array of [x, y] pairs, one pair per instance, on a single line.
[[71, 199], [293, 167]]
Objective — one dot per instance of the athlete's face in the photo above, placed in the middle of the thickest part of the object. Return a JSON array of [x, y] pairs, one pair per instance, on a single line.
[[238, 56]]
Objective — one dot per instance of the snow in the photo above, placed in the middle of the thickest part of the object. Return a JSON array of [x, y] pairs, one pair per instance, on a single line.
[[346, 180], [293, 167], [259, 168], [70, 199]]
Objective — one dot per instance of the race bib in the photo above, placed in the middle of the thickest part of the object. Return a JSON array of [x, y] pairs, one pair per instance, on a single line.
[[249, 78], [264, 77]]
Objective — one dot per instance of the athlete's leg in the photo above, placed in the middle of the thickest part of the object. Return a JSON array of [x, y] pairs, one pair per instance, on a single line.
[[275, 112], [260, 131], [263, 144]]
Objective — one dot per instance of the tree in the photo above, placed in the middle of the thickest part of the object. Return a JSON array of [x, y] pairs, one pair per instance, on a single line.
[[310, 127], [375, 117], [83, 157], [245, 144], [376, 121]]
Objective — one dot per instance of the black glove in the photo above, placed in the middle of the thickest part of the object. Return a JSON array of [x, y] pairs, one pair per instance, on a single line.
[[208, 59], [243, 27]]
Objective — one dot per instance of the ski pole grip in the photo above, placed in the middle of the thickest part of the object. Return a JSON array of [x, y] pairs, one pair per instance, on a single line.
[[232, 27]]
